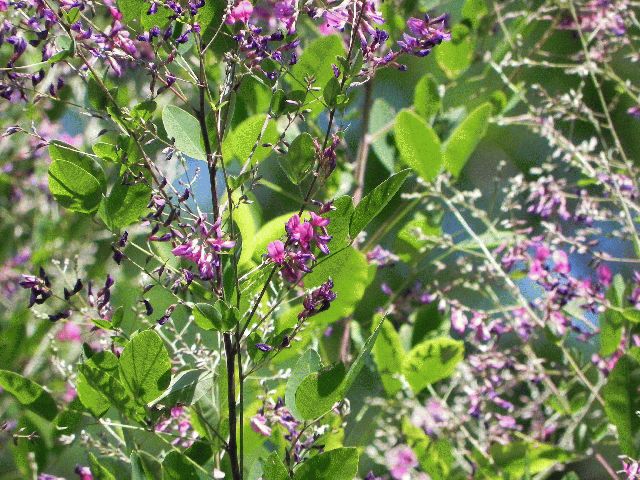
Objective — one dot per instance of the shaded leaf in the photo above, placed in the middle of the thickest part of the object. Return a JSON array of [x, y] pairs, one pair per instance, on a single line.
[[418, 144], [338, 464], [29, 394], [308, 363], [622, 401], [431, 361], [75, 180], [184, 128], [373, 203], [465, 138], [145, 366], [124, 205]]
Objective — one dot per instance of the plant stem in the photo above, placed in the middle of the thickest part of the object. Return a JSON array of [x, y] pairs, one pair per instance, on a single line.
[[230, 352]]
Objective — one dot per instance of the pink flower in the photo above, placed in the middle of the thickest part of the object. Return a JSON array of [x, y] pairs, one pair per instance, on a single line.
[[542, 252], [631, 468], [458, 321], [259, 425], [299, 232], [561, 261], [70, 332], [401, 461], [276, 251], [536, 271], [240, 13], [605, 276], [70, 394]]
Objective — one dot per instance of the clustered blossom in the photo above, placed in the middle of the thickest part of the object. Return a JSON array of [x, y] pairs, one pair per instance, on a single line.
[[630, 469], [276, 413], [431, 418], [102, 300], [178, 424], [422, 36], [296, 254], [318, 300], [205, 250], [39, 285]]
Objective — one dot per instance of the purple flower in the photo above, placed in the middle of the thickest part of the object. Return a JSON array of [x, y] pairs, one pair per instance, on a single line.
[[425, 34], [259, 425], [459, 321], [205, 254], [276, 252], [240, 13], [263, 347], [318, 301], [381, 257]]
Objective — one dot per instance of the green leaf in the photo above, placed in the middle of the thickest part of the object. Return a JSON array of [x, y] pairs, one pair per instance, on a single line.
[[243, 218], [75, 180], [340, 219], [241, 141], [319, 391], [622, 401], [210, 19], [93, 400], [68, 47], [124, 205], [465, 138], [381, 121], [455, 56], [299, 159], [145, 366], [274, 469], [138, 471], [431, 361], [351, 274], [308, 363], [176, 466], [418, 144], [632, 314], [387, 354], [99, 387], [372, 204], [518, 459], [187, 388], [29, 394], [611, 326], [435, 455], [474, 10], [98, 470], [106, 151], [612, 320], [218, 316], [331, 91], [426, 100], [161, 18], [130, 10], [316, 61], [338, 464], [185, 129]]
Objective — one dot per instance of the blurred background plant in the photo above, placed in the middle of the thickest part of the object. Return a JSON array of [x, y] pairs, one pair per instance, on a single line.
[[497, 279]]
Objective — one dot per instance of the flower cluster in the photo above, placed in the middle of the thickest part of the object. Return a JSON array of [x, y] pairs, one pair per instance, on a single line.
[[206, 248], [179, 425], [296, 254]]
